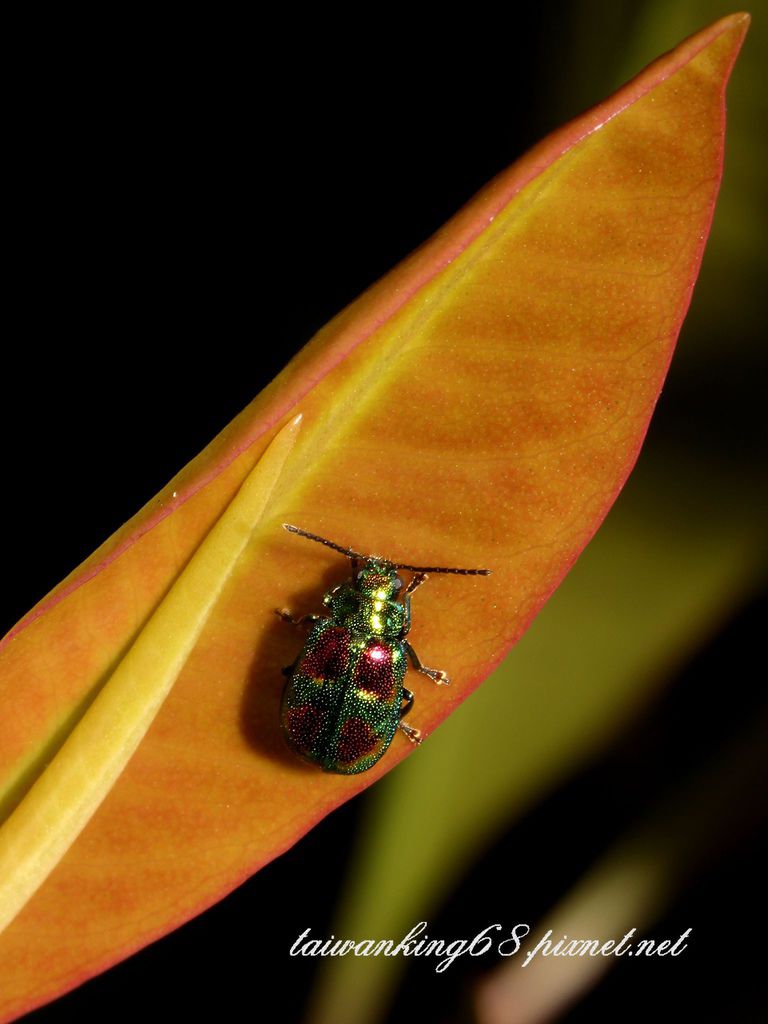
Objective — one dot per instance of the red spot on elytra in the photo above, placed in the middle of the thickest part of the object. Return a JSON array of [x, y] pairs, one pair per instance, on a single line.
[[373, 672], [305, 725], [328, 656], [356, 739]]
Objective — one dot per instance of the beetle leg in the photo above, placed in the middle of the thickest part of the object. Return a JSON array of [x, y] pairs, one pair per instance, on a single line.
[[286, 616], [328, 599], [290, 669], [416, 582], [414, 735], [436, 674]]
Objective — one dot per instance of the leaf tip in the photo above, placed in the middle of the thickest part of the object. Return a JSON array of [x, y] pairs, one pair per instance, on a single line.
[[738, 22]]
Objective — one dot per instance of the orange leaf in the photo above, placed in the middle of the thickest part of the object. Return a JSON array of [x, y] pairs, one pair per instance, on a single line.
[[501, 379]]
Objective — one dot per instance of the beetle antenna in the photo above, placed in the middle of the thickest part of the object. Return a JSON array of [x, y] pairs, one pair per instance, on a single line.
[[429, 569], [351, 553], [322, 540]]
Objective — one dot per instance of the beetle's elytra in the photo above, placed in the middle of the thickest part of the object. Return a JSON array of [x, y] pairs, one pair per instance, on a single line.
[[344, 698]]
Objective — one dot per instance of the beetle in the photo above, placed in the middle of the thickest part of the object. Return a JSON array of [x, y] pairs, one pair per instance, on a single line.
[[344, 698]]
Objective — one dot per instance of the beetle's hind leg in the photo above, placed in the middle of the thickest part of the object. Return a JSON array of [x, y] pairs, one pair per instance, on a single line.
[[436, 674], [414, 735]]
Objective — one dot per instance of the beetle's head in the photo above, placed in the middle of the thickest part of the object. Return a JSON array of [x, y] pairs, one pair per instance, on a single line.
[[378, 580]]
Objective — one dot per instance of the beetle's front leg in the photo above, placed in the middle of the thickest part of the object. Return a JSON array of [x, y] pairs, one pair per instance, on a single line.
[[286, 616], [414, 735], [416, 582], [435, 674]]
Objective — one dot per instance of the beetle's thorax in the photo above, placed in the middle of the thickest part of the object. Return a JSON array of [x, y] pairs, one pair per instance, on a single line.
[[378, 580], [367, 605]]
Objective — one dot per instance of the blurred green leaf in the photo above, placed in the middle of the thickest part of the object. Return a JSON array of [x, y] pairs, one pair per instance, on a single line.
[[632, 884]]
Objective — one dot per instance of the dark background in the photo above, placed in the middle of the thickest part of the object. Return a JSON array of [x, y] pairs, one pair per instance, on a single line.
[[190, 203]]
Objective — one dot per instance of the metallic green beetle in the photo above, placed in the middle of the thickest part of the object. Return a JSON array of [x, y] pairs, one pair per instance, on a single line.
[[344, 698]]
